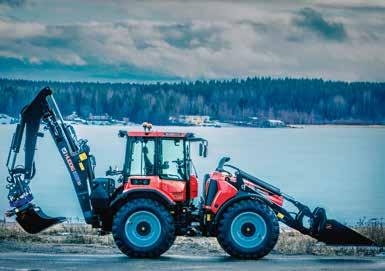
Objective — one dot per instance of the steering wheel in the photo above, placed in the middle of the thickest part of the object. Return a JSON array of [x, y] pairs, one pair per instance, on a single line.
[[179, 162]]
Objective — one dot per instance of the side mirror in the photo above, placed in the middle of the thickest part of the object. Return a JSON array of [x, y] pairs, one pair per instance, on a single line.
[[203, 149]]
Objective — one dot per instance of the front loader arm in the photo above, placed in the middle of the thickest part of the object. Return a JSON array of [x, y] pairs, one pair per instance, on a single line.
[[313, 223], [75, 153]]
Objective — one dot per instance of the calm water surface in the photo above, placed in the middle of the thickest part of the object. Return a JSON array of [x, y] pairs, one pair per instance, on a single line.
[[339, 168]]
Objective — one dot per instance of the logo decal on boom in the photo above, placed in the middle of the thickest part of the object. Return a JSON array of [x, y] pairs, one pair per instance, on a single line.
[[71, 166]]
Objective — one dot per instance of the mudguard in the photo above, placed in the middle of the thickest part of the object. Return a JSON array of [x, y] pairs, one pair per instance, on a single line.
[[135, 193]]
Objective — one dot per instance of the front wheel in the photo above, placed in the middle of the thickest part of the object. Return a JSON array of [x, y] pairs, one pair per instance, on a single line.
[[143, 228], [248, 230]]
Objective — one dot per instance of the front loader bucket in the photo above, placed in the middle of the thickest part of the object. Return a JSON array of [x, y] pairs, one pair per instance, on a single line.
[[328, 231], [34, 220], [335, 233]]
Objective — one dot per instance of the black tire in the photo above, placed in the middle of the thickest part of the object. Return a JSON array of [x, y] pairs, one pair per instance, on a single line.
[[149, 207], [239, 213]]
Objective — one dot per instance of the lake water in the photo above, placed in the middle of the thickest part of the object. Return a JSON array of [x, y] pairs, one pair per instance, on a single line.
[[339, 168]]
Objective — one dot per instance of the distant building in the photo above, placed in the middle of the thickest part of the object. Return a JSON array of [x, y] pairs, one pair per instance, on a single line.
[[260, 123], [99, 119], [276, 123], [5, 119], [104, 117], [74, 118], [269, 123], [196, 120]]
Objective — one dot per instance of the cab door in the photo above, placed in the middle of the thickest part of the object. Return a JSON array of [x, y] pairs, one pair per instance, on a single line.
[[172, 167]]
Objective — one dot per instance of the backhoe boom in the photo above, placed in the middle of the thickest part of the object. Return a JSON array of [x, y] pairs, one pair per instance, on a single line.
[[75, 153]]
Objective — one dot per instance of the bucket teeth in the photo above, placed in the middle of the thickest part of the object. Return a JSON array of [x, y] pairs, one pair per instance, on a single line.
[[34, 220]]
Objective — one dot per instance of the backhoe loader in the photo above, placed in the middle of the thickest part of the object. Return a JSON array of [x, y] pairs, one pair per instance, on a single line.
[[150, 201]]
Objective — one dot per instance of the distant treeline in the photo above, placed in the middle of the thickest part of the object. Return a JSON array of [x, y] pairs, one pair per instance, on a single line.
[[301, 101]]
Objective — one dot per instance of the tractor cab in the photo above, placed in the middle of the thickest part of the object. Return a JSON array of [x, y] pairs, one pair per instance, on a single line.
[[161, 161]]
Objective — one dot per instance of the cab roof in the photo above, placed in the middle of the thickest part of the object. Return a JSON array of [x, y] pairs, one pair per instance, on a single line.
[[158, 134], [188, 136]]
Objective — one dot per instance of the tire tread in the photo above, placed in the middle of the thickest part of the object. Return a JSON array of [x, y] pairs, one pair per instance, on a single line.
[[225, 240], [168, 228]]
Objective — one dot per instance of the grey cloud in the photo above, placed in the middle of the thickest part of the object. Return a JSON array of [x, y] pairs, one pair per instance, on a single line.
[[265, 42], [370, 9], [56, 37], [258, 27], [361, 7], [13, 3], [313, 20], [190, 36]]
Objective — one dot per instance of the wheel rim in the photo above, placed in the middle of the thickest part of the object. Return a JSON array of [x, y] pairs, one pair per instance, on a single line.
[[143, 229], [248, 229]]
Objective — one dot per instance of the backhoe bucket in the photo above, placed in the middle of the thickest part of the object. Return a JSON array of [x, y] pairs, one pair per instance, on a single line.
[[335, 233], [34, 220]]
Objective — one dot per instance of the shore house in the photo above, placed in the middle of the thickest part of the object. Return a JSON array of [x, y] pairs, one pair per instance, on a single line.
[[99, 119], [196, 120]]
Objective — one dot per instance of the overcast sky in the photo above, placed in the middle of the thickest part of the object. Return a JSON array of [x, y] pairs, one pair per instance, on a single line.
[[116, 40]]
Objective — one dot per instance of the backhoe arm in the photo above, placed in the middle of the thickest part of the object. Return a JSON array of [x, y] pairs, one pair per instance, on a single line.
[[75, 153]]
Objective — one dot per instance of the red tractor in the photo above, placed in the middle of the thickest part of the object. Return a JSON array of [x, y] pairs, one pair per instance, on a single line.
[[153, 200]]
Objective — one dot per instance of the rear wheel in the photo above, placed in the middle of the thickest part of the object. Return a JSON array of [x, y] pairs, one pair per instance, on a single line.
[[143, 228], [248, 230]]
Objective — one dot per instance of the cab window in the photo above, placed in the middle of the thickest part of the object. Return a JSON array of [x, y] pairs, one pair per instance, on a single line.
[[143, 157], [172, 159]]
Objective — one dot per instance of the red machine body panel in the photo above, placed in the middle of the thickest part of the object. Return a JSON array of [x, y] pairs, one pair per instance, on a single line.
[[225, 191], [273, 198], [193, 187], [172, 189]]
